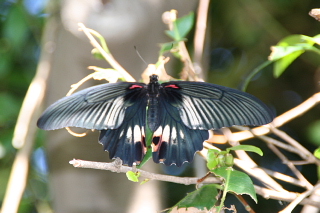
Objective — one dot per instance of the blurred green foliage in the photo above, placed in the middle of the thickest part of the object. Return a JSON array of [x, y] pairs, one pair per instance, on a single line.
[[20, 35]]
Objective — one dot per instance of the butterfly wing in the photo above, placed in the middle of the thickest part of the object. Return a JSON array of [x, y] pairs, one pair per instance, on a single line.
[[128, 141], [98, 107], [209, 106], [117, 109], [188, 109], [173, 142]]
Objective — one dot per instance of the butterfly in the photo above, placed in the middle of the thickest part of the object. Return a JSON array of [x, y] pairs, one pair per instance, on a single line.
[[178, 113]]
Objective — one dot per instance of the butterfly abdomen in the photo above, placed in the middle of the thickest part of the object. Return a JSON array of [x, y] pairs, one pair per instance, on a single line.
[[153, 113], [153, 103]]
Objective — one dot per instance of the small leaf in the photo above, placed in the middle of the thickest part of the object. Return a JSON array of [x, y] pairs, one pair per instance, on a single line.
[[313, 132], [181, 27], [238, 183], [290, 48], [248, 148], [133, 176], [96, 54], [212, 161], [144, 181], [205, 197], [317, 153], [281, 65], [166, 47], [185, 24]]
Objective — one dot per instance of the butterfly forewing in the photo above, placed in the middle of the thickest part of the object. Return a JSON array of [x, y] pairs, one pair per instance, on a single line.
[[98, 107], [208, 106]]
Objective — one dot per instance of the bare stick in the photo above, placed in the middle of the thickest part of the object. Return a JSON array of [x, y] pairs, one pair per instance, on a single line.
[[201, 26], [296, 201], [106, 55], [116, 167]]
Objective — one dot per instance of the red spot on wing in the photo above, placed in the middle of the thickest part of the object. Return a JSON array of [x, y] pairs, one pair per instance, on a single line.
[[135, 86], [174, 86]]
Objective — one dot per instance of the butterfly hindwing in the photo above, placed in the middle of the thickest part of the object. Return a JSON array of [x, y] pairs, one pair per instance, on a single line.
[[128, 141], [173, 142], [209, 106]]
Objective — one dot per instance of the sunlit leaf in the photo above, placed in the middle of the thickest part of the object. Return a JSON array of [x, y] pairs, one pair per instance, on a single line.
[[133, 176], [317, 153], [248, 148], [290, 48]]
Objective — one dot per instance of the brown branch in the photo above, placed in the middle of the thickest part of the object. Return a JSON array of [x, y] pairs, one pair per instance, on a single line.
[[117, 167]]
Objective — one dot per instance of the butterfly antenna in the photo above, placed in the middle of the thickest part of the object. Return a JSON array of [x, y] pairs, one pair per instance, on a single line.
[[140, 56]]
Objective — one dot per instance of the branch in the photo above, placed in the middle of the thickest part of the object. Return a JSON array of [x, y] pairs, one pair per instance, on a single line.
[[107, 55], [283, 196], [115, 166]]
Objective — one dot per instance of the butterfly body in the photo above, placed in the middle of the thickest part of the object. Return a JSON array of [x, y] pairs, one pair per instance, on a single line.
[[179, 113]]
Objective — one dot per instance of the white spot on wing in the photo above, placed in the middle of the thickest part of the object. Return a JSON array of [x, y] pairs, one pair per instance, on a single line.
[[136, 133]]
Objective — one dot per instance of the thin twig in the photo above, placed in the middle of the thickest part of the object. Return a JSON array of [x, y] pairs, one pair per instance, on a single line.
[[283, 196], [200, 32], [106, 55], [284, 177], [309, 156], [298, 200], [114, 167], [297, 173]]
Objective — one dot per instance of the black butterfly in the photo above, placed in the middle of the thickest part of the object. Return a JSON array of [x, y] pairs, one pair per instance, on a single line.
[[179, 113]]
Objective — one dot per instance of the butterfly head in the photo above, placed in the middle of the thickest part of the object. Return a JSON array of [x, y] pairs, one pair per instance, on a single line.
[[154, 78]]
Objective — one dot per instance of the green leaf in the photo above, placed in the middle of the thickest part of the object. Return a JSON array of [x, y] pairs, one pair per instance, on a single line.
[[317, 153], [185, 24], [281, 65], [181, 27], [16, 27], [238, 182], [166, 47], [290, 48], [146, 158], [313, 132], [212, 161], [205, 197], [133, 176], [248, 148]]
